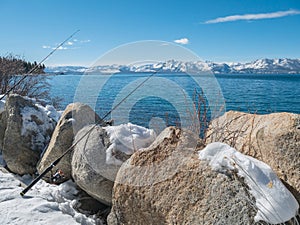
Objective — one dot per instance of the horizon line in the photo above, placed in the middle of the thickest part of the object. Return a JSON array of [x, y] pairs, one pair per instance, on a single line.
[[213, 61]]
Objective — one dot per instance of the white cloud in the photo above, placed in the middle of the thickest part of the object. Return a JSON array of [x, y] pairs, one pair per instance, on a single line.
[[85, 41], [258, 16], [54, 47], [72, 44], [182, 41], [61, 48]]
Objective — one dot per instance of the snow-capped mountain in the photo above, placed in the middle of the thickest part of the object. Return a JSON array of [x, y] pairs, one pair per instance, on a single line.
[[65, 69], [270, 66], [261, 66]]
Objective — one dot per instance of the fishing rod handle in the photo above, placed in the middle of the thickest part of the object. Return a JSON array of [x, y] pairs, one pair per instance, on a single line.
[[22, 193]]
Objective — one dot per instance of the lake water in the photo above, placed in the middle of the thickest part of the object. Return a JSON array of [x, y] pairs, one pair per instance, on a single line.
[[163, 97]]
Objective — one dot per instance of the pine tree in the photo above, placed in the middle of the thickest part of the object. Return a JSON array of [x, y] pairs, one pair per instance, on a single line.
[[11, 67]]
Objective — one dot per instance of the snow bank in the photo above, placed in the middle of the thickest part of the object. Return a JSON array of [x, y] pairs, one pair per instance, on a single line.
[[275, 204], [43, 204], [127, 138]]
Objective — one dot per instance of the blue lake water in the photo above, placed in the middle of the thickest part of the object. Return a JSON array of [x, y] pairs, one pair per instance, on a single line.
[[248, 93]]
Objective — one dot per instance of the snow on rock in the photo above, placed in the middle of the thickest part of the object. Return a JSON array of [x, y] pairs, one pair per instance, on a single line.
[[50, 111], [40, 125], [127, 138], [45, 120], [28, 129], [275, 204], [43, 204]]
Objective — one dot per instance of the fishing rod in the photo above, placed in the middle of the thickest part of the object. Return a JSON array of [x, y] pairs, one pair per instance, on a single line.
[[100, 122], [37, 65]]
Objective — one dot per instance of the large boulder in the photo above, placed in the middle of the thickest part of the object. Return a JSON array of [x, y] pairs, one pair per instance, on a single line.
[[166, 183], [273, 139], [99, 155], [89, 168], [28, 129], [75, 117]]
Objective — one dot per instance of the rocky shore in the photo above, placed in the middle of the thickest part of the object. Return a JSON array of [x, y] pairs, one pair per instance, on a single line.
[[146, 178]]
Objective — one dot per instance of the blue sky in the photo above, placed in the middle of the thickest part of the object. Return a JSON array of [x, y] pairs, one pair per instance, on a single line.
[[216, 30]]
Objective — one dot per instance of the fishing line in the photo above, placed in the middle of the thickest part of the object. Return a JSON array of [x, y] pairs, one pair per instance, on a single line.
[[37, 65]]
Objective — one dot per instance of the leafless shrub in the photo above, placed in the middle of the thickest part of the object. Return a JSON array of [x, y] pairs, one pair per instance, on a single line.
[[199, 114], [35, 85]]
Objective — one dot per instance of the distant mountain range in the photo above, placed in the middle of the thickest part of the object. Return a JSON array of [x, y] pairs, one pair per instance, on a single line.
[[261, 66], [65, 69]]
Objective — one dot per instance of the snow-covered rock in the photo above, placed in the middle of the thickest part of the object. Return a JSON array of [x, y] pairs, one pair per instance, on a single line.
[[97, 158], [126, 138], [75, 117], [272, 138], [29, 127], [274, 203]]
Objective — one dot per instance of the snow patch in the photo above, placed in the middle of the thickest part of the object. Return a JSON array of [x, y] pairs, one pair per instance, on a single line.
[[38, 121], [275, 204], [127, 138], [50, 112], [44, 204]]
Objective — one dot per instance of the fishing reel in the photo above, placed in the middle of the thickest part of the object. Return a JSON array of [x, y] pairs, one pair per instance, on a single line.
[[57, 177]]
